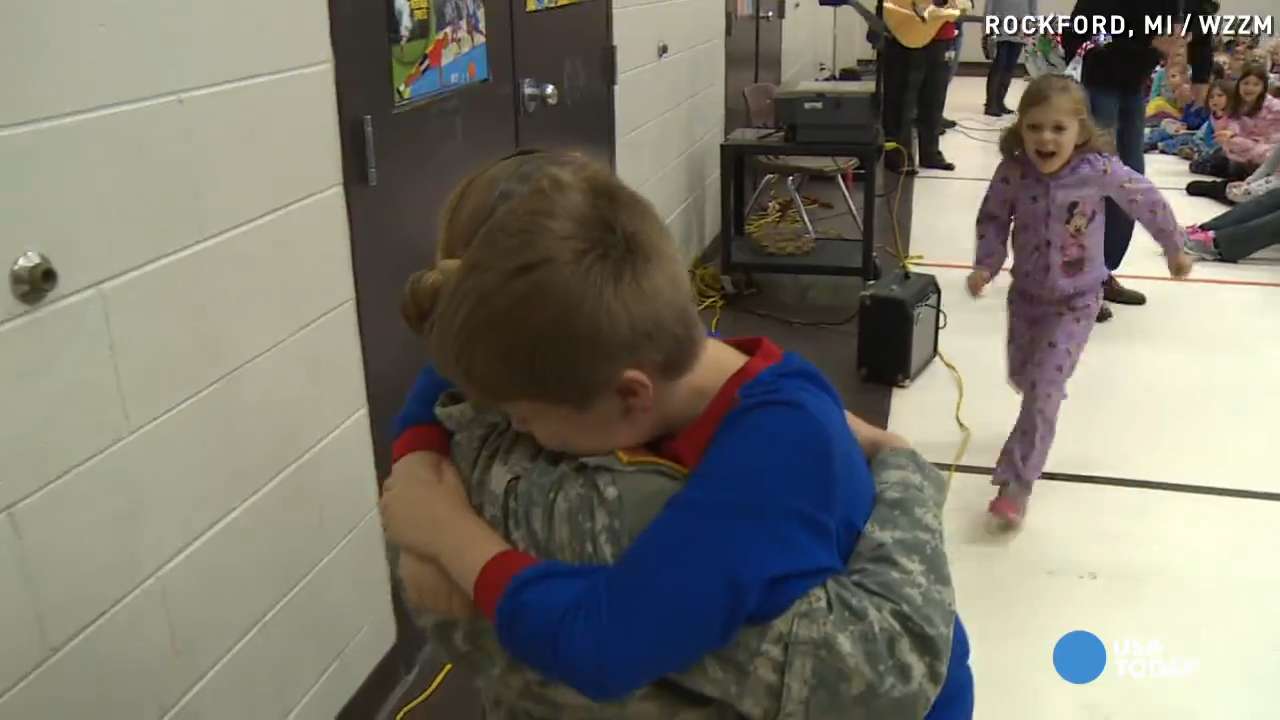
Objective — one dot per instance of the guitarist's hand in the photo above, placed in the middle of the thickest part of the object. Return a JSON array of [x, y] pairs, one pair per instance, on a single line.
[[941, 13]]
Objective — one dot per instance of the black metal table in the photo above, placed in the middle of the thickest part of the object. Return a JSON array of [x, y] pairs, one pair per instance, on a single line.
[[830, 256]]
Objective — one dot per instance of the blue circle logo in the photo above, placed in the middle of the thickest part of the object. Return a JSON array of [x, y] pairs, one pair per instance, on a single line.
[[1079, 657]]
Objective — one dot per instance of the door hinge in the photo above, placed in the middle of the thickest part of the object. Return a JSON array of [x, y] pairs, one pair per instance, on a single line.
[[370, 156], [611, 60], [782, 9]]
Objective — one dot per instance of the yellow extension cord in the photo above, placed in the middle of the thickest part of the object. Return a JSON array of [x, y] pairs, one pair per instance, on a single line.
[[907, 261], [710, 295], [435, 685]]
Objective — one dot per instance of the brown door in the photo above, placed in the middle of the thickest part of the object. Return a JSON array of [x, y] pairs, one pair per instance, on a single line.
[[564, 61], [399, 164], [401, 159]]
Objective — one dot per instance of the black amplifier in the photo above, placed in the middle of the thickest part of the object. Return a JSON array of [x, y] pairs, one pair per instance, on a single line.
[[830, 111], [898, 327]]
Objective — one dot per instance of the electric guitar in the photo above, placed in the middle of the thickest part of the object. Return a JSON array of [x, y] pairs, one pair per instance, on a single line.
[[914, 23]]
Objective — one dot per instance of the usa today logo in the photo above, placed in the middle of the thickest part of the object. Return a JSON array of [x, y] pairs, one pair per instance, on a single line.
[[1080, 657]]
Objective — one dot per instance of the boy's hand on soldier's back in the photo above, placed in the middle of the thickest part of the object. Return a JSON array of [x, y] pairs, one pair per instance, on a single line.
[[426, 511], [429, 588], [419, 497], [1180, 265], [978, 281]]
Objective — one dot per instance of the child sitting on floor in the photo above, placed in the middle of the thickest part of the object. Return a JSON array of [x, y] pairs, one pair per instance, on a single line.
[[1237, 59], [1159, 76], [1193, 135], [1256, 120], [1166, 101], [1247, 139]]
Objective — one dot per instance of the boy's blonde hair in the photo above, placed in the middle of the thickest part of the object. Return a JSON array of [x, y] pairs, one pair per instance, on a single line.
[[1047, 88], [552, 278]]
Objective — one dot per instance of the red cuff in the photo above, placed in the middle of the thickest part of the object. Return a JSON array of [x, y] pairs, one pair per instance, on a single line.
[[433, 438], [494, 578]]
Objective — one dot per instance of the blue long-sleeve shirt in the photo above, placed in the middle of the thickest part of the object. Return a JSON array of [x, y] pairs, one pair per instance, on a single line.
[[1194, 116], [777, 496], [1205, 134]]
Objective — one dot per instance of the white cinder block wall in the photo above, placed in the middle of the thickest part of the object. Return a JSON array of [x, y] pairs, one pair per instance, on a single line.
[[669, 111], [187, 491]]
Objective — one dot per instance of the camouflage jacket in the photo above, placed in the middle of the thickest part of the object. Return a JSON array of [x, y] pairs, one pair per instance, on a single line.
[[873, 642]]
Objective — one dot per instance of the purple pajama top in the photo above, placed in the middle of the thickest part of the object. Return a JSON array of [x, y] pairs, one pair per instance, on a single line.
[[1058, 221]]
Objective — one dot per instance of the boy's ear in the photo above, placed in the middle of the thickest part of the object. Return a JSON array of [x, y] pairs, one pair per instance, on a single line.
[[636, 391]]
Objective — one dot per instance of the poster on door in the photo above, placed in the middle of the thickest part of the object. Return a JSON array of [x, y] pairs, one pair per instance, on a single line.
[[436, 46], [536, 5]]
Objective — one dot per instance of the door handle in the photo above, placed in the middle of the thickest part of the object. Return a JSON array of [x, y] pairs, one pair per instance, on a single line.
[[370, 155], [534, 92], [768, 17]]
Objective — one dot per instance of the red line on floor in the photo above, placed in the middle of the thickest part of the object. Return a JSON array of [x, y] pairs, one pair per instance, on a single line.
[[1194, 280]]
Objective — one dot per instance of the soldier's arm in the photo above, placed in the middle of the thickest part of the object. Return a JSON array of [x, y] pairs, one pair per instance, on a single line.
[[874, 642], [897, 598]]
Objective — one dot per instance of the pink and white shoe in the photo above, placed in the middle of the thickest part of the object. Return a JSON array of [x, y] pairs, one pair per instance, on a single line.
[[1200, 243], [1008, 511]]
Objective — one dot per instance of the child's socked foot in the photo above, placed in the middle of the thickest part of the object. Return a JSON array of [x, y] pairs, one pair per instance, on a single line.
[[1008, 510]]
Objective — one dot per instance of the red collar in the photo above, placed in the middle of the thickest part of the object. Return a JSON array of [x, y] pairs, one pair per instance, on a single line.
[[687, 446]]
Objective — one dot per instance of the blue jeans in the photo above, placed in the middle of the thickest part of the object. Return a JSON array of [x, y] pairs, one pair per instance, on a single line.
[[1125, 115]]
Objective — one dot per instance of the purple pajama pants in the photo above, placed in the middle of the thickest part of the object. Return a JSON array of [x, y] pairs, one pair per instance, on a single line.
[[1046, 337]]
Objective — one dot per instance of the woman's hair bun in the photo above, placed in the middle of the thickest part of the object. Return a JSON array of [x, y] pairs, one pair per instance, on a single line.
[[423, 292]]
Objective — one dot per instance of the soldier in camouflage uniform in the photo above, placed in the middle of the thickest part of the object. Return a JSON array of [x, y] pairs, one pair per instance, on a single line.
[[874, 642]]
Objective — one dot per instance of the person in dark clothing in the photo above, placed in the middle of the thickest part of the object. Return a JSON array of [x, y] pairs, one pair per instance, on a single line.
[[1114, 76], [914, 87], [1200, 51], [1004, 56], [953, 67]]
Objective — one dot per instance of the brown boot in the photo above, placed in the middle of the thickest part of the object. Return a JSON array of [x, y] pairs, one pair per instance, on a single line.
[[1104, 312], [1113, 291]]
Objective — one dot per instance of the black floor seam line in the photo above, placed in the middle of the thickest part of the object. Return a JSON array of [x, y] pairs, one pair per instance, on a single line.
[[1129, 483]]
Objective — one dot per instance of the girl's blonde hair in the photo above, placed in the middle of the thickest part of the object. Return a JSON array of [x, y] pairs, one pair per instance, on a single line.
[[1048, 88]]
